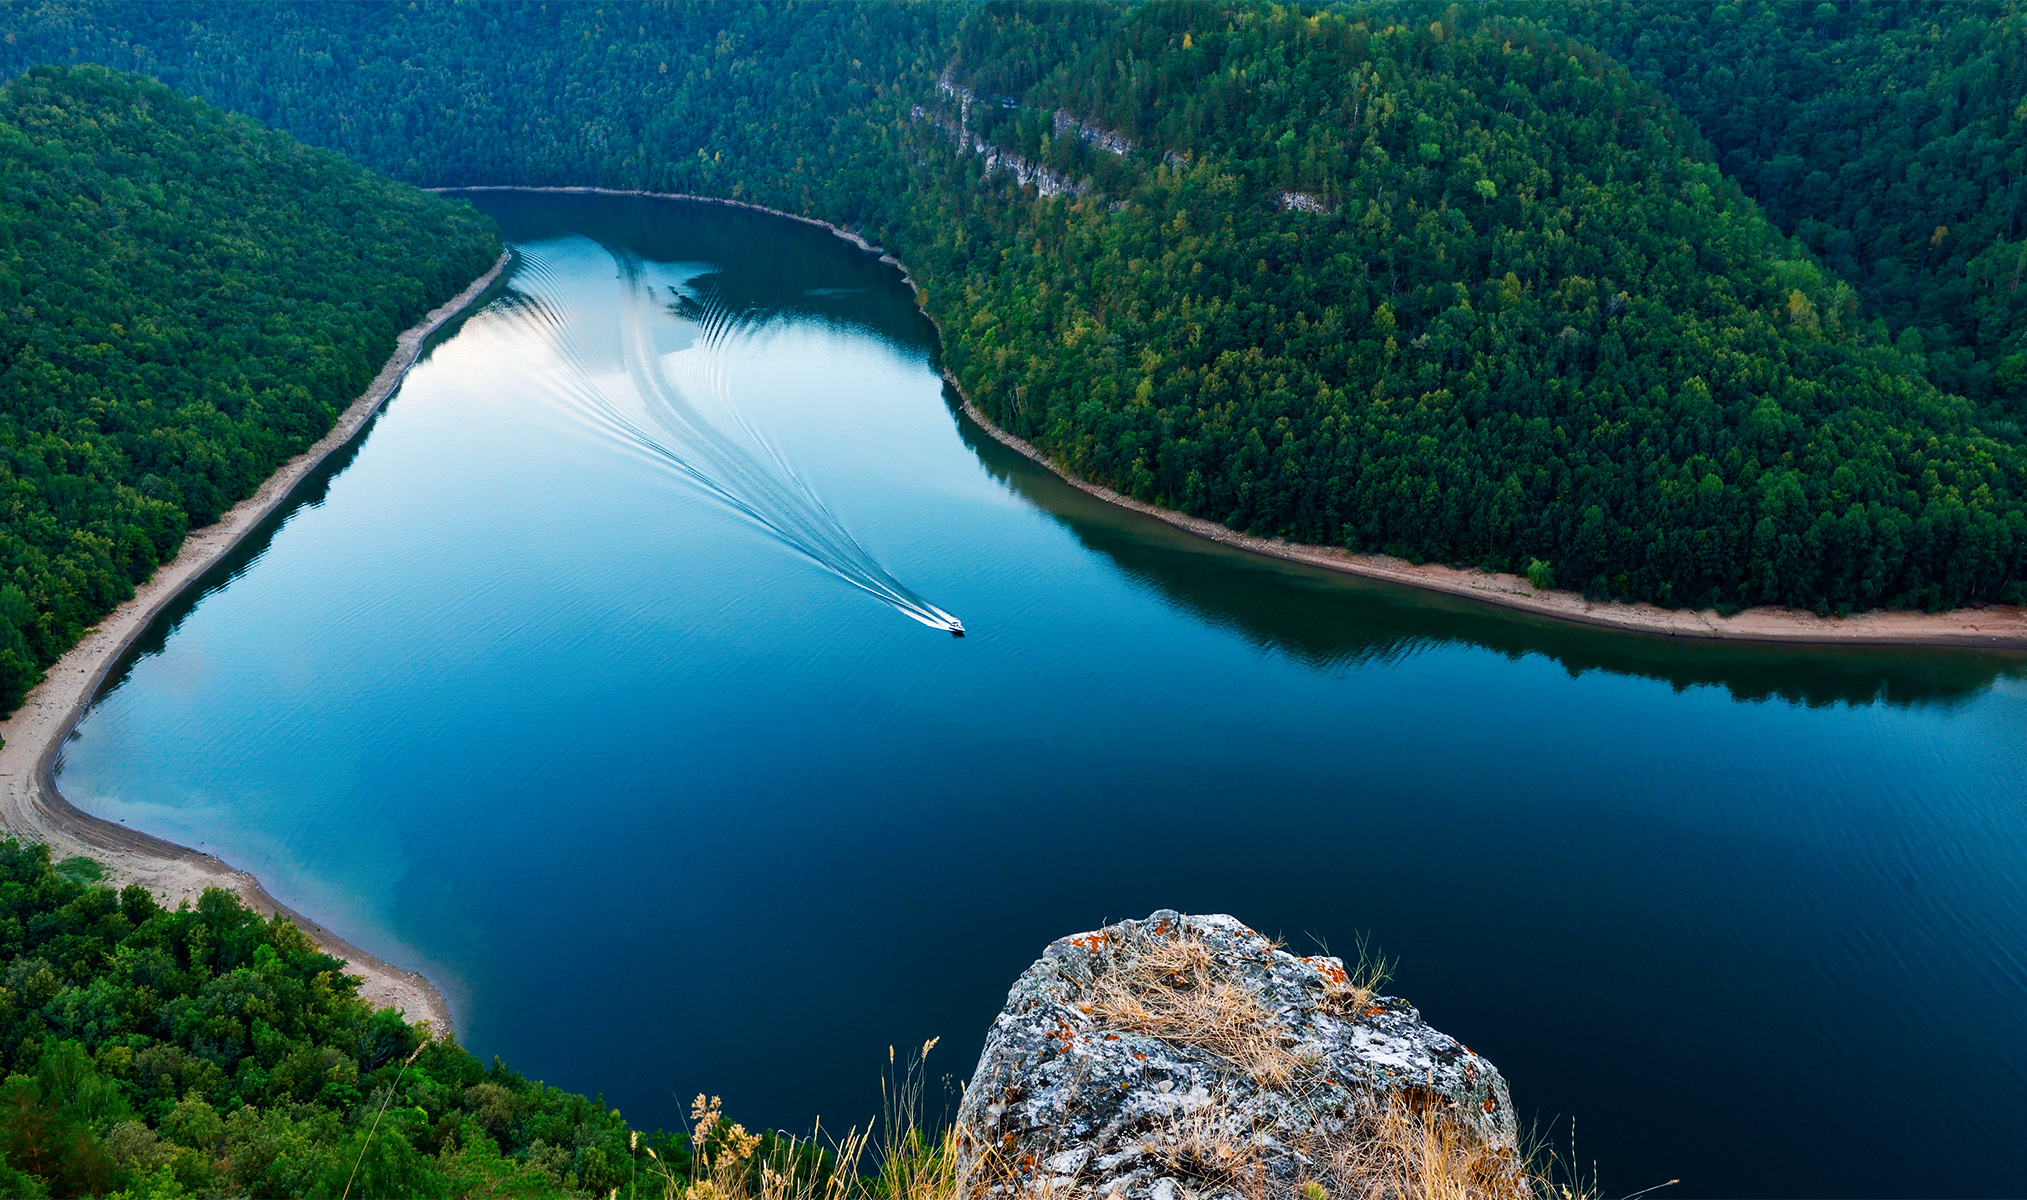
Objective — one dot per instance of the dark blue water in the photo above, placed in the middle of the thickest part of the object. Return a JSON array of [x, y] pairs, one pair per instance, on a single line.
[[580, 700]]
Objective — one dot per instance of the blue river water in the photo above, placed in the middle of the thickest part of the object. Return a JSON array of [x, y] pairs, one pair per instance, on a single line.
[[601, 680]]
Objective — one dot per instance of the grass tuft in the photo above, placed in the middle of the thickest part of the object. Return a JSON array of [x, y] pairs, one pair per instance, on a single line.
[[1166, 987]]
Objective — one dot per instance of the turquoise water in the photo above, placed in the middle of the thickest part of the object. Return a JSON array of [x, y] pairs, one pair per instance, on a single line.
[[595, 681]]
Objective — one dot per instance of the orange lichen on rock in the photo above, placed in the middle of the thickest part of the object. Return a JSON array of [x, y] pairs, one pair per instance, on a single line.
[[1332, 971]]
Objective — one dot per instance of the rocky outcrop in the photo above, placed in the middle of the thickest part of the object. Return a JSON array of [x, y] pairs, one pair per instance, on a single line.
[[1188, 1056], [1300, 202], [947, 84], [1032, 174], [1027, 172], [1111, 143]]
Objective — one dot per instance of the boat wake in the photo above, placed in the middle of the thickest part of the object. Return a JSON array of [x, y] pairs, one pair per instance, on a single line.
[[734, 462]]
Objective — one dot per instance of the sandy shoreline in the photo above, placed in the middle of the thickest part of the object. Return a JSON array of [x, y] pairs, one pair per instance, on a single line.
[[1997, 627], [1993, 627], [33, 809]]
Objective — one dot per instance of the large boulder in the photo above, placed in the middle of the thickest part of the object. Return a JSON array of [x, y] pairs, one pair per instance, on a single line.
[[1188, 1056]]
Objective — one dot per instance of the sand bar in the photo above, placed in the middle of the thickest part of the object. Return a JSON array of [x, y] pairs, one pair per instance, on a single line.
[[31, 807]]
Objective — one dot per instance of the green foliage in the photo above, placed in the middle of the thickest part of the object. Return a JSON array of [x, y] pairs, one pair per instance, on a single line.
[[1464, 294], [207, 1051], [1891, 138], [190, 300], [80, 869], [1442, 282], [799, 104]]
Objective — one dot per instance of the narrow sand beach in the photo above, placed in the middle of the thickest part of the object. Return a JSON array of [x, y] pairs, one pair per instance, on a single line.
[[33, 809], [1992, 627], [1995, 627]]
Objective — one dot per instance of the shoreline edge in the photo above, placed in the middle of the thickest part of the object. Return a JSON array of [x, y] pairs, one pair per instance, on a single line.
[[33, 808], [2000, 627]]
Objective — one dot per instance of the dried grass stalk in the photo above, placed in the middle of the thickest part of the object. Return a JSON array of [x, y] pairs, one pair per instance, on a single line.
[[1173, 988]]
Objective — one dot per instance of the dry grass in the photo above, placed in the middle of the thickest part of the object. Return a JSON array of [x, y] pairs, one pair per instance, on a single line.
[[1404, 1154], [916, 1163], [1171, 988], [1399, 1153], [911, 1161], [725, 1164], [1213, 1143], [1363, 978]]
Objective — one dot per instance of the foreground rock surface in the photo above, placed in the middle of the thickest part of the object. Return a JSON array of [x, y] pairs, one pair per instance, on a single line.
[[1187, 1056]]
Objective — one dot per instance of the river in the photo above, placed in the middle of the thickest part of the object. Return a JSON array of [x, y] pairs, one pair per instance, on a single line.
[[602, 681]]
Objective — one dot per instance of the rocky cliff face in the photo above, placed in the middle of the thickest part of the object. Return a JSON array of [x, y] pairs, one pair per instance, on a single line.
[[1188, 1056]]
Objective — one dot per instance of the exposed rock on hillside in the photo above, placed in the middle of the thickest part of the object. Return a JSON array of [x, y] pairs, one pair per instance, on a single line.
[[1025, 171], [1182, 1057], [1111, 143], [1300, 202]]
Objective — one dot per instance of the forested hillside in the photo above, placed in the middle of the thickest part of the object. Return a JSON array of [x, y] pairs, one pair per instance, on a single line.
[[1456, 293], [190, 300], [1450, 282], [801, 103], [207, 1051], [1892, 138]]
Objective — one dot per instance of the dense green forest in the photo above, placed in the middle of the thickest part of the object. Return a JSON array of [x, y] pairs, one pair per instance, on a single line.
[[209, 1051], [1890, 137], [1525, 320], [1587, 291], [190, 300]]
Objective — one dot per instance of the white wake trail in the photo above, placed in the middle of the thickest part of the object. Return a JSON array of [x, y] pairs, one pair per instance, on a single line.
[[762, 487], [741, 468]]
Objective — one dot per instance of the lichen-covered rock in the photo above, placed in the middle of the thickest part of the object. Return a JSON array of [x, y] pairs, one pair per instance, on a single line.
[[1189, 1056]]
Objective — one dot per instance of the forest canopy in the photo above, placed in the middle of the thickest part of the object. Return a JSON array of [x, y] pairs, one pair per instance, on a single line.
[[1456, 292], [207, 1050], [1891, 138], [1583, 291], [190, 300]]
